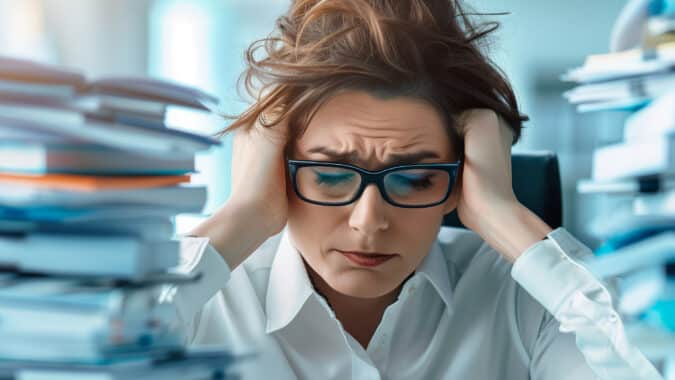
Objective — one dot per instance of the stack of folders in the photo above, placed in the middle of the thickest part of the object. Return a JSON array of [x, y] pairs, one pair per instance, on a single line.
[[90, 180], [638, 174]]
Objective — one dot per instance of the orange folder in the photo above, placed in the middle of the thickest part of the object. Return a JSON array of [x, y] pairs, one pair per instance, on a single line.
[[92, 183]]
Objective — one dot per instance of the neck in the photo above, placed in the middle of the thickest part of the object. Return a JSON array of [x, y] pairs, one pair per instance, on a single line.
[[359, 316]]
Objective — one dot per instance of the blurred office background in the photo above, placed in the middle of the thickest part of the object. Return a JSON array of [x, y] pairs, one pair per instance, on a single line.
[[201, 43]]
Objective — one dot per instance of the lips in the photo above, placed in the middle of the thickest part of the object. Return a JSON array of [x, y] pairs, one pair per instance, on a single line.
[[366, 259]]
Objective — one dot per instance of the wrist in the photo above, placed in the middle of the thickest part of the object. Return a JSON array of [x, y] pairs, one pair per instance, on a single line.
[[512, 229], [257, 212], [234, 232]]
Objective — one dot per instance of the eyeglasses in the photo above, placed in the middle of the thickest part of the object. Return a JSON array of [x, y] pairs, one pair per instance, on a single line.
[[337, 184]]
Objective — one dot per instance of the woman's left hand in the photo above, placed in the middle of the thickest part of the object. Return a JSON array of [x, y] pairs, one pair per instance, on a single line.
[[484, 193]]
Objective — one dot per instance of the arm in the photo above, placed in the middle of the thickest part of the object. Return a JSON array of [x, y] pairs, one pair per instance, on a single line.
[[213, 249], [258, 206], [555, 356], [581, 305], [256, 210], [487, 205], [235, 231]]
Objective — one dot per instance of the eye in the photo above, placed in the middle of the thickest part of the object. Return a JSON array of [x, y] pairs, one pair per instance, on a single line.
[[332, 178], [412, 180]]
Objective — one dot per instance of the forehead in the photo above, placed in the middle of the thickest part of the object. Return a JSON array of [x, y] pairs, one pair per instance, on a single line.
[[375, 127]]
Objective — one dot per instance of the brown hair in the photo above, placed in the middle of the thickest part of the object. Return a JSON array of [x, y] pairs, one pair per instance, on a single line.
[[427, 49]]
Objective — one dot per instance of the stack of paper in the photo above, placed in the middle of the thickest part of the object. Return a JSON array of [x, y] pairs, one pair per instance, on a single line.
[[623, 80], [201, 364], [90, 180], [639, 173], [54, 121], [52, 319], [641, 81]]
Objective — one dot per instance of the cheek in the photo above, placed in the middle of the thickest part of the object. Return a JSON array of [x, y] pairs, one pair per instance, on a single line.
[[310, 224], [304, 213], [417, 228]]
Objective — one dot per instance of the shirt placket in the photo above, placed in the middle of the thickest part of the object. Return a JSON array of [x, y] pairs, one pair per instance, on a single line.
[[362, 366], [379, 348]]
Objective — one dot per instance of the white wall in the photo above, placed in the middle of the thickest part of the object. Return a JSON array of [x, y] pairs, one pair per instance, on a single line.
[[103, 37]]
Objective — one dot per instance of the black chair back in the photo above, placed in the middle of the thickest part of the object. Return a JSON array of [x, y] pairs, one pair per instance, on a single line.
[[536, 183]]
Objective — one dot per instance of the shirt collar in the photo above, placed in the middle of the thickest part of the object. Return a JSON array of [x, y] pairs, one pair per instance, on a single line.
[[289, 285], [435, 269]]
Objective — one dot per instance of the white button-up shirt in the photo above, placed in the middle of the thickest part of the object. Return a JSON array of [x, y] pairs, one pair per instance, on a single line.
[[466, 313]]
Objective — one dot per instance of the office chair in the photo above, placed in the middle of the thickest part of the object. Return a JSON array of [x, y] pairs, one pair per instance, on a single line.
[[536, 183]]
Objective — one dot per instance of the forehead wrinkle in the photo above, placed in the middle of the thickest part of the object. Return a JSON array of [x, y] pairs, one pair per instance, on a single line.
[[376, 128], [391, 137], [367, 151], [368, 155], [395, 142]]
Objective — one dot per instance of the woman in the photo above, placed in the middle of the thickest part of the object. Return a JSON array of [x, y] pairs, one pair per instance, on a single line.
[[372, 120]]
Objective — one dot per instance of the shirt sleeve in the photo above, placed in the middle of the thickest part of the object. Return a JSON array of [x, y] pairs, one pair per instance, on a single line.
[[581, 304], [197, 256]]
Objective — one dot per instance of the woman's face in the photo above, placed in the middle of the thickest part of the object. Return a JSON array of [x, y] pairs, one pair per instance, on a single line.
[[356, 128]]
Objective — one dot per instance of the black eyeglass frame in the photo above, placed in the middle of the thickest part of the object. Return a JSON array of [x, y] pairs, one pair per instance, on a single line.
[[374, 177]]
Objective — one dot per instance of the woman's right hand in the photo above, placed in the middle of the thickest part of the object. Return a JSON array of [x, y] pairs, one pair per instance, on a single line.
[[258, 207]]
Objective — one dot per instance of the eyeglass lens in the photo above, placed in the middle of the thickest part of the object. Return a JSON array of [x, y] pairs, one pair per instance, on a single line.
[[411, 187]]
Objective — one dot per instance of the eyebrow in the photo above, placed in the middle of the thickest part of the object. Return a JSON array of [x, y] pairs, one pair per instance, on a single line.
[[393, 159]]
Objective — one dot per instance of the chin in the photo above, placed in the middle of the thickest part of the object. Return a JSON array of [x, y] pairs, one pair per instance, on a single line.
[[361, 285]]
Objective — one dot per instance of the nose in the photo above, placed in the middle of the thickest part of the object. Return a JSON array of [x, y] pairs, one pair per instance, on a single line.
[[369, 212]]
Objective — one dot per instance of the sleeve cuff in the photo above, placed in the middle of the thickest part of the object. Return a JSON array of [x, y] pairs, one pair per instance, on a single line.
[[547, 270], [199, 256]]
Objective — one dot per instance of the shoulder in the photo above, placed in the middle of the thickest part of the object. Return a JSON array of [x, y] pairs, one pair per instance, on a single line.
[[459, 246], [478, 271], [471, 261]]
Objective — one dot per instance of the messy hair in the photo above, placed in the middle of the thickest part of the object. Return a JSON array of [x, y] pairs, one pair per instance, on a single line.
[[425, 49]]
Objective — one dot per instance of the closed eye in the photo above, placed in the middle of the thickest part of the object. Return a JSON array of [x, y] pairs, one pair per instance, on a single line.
[[417, 181], [332, 178]]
